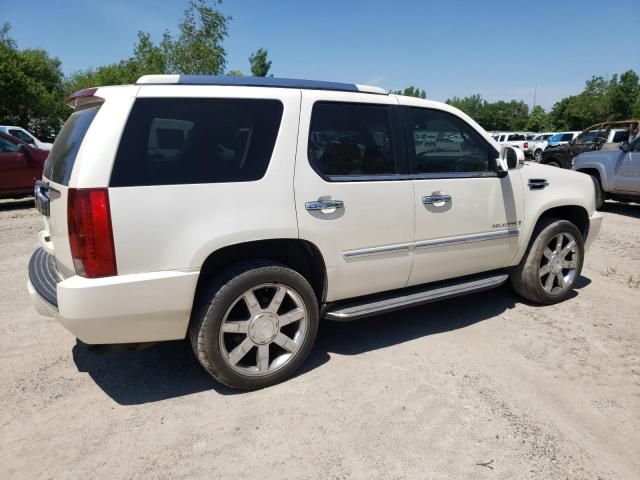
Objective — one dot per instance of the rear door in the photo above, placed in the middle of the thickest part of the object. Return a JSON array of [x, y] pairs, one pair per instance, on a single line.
[[467, 219], [352, 200]]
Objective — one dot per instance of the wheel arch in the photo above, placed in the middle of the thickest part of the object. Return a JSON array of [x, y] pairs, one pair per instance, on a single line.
[[300, 255], [596, 169]]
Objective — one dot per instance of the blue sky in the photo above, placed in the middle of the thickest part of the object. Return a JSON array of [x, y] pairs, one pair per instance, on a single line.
[[501, 50]]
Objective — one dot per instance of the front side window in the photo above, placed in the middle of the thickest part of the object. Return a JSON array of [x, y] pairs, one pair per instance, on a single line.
[[171, 141], [7, 146], [591, 136], [456, 147], [350, 139]]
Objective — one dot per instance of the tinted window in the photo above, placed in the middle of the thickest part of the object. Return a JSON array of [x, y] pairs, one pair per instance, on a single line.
[[515, 138], [196, 140], [566, 137], [7, 146], [590, 136], [351, 139], [60, 161], [456, 147], [20, 135]]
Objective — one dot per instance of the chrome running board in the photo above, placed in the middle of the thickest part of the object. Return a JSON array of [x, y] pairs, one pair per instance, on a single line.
[[376, 306]]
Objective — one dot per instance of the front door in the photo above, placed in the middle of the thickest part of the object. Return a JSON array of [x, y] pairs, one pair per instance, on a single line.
[[467, 219], [16, 175], [351, 201], [627, 174]]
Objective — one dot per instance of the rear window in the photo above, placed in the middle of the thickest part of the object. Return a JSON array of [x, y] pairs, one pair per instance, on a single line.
[[60, 161], [169, 141]]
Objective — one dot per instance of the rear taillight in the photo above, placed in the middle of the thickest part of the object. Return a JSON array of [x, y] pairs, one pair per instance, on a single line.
[[90, 233], [526, 144]]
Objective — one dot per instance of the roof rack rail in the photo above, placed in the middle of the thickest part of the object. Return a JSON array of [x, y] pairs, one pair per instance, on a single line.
[[225, 80]]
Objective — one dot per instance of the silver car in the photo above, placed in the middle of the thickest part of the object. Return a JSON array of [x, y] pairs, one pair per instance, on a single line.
[[615, 173]]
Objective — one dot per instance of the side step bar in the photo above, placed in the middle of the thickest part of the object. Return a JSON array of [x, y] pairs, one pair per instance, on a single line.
[[377, 306]]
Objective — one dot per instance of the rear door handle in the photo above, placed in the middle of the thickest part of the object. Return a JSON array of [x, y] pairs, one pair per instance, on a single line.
[[437, 200], [323, 204]]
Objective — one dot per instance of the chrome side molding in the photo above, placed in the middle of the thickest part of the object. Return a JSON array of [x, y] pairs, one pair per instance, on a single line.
[[477, 237], [367, 252], [354, 311], [538, 183]]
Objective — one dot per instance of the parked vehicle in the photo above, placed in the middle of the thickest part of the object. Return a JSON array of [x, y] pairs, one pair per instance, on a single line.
[[517, 140], [538, 144], [238, 211], [20, 167], [596, 137], [615, 173], [562, 138], [24, 136]]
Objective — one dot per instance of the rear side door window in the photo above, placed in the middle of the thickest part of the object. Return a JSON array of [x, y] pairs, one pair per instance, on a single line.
[[352, 140], [457, 148], [171, 141]]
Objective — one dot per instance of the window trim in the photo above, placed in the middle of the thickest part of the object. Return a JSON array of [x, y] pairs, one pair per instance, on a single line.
[[411, 150], [396, 124]]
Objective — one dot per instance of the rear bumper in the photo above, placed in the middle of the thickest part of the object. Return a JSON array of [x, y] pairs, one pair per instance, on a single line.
[[595, 222], [147, 307]]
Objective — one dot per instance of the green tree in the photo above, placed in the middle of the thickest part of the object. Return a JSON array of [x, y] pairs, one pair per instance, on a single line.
[[538, 120], [235, 73], [31, 83], [411, 91], [197, 49], [260, 63], [474, 106], [624, 95]]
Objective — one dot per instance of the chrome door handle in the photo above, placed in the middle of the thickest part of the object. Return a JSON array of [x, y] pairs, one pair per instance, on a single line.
[[324, 204], [433, 199]]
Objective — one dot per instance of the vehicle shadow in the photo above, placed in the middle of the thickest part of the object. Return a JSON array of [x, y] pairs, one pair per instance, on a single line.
[[627, 209], [22, 204], [168, 370]]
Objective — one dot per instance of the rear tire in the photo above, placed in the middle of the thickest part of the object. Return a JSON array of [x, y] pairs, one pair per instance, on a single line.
[[552, 263], [254, 325]]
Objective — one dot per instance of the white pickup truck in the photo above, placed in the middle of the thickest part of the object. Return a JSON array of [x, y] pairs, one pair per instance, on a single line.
[[513, 139], [537, 145]]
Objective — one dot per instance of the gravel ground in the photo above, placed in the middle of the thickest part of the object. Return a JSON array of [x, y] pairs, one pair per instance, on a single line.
[[483, 386]]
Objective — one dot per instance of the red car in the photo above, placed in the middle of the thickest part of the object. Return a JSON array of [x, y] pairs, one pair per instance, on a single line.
[[20, 166]]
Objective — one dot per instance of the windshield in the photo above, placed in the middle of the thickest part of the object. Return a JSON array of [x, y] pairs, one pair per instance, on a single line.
[[60, 162]]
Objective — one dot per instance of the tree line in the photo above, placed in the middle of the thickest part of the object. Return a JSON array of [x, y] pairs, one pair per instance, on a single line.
[[34, 89], [601, 100]]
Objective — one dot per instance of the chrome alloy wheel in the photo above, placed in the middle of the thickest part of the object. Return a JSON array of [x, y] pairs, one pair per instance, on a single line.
[[559, 263], [263, 329]]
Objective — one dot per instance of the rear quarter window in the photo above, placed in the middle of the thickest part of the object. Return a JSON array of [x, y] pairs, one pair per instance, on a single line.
[[169, 141], [62, 157]]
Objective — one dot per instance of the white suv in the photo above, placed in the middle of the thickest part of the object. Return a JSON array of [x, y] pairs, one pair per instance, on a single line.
[[240, 211]]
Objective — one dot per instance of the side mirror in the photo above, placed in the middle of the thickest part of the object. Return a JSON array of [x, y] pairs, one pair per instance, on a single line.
[[24, 149], [624, 146], [510, 158]]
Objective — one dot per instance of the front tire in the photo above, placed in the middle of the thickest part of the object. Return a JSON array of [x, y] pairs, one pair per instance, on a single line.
[[551, 264], [600, 195], [254, 325], [537, 155]]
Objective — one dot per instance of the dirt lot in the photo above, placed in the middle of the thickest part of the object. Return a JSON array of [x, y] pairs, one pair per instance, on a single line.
[[479, 387]]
